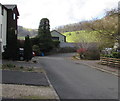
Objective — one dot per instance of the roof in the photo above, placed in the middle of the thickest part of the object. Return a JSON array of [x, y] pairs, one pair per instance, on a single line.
[[3, 6], [12, 7], [57, 32]]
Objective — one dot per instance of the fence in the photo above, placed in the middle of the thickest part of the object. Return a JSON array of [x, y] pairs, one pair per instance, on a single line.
[[113, 62]]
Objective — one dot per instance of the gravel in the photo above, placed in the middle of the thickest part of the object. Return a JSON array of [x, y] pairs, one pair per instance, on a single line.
[[27, 92]]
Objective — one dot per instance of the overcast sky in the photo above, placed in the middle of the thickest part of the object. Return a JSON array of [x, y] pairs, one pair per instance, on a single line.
[[59, 12]]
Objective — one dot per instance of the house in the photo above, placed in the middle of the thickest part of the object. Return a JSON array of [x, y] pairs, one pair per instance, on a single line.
[[58, 36], [3, 27], [8, 20], [12, 17]]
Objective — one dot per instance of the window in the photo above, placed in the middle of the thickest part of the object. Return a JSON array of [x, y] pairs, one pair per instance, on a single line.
[[14, 16], [2, 11], [1, 31], [15, 32], [55, 38]]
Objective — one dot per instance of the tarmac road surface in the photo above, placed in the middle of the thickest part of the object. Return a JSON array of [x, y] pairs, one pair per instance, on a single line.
[[77, 81]]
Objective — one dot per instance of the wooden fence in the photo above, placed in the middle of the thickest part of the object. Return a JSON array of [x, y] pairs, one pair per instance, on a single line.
[[113, 62]]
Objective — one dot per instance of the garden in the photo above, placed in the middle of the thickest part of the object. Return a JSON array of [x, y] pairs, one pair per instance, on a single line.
[[108, 56]]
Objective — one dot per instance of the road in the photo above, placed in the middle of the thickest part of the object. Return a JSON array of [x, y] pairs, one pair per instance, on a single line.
[[77, 81]]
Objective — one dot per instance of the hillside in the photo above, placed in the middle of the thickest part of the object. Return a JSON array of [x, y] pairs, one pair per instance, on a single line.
[[79, 36], [108, 22], [22, 32]]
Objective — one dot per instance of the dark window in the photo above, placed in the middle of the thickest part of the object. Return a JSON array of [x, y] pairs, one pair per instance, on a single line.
[[55, 38]]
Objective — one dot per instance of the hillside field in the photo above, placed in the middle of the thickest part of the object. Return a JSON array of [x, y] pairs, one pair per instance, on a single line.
[[80, 36]]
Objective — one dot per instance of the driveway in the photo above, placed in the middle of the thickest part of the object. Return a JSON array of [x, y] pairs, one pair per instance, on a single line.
[[24, 78], [78, 81]]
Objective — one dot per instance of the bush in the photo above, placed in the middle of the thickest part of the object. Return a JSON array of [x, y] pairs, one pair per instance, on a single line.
[[67, 50], [112, 55], [56, 43], [21, 67], [27, 49], [81, 52], [92, 54], [8, 66], [35, 40], [36, 49], [116, 54]]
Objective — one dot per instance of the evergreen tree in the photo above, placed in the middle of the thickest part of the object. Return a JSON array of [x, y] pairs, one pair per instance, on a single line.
[[27, 49], [44, 35]]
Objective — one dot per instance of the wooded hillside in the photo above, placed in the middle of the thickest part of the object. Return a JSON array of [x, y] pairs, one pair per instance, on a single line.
[[22, 32]]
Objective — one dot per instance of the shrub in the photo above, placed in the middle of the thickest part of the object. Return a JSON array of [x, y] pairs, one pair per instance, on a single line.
[[27, 49], [116, 54], [35, 40], [67, 50], [81, 52], [30, 69], [92, 55], [56, 43], [21, 67], [8, 66], [11, 65], [112, 55], [36, 49], [108, 55]]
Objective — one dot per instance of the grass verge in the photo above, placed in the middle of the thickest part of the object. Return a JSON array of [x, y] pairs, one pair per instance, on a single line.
[[20, 68]]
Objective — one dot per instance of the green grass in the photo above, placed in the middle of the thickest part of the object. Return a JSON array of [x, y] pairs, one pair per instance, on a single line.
[[37, 97], [79, 36]]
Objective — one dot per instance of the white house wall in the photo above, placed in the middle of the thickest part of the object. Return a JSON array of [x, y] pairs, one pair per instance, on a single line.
[[56, 34], [3, 27], [0, 27]]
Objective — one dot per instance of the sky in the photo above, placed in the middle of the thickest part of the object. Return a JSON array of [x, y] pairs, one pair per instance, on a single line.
[[59, 12]]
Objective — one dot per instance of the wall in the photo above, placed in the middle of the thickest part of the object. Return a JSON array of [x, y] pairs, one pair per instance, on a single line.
[[3, 25], [0, 26], [4, 28], [64, 44]]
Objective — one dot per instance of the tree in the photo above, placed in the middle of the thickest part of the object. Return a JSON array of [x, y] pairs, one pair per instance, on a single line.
[[87, 46], [44, 35], [27, 49], [107, 28], [12, 49]]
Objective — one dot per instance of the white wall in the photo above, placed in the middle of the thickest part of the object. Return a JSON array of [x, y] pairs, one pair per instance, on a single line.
[[56, 34], [0, 27], [3, 27], [65, 44]]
